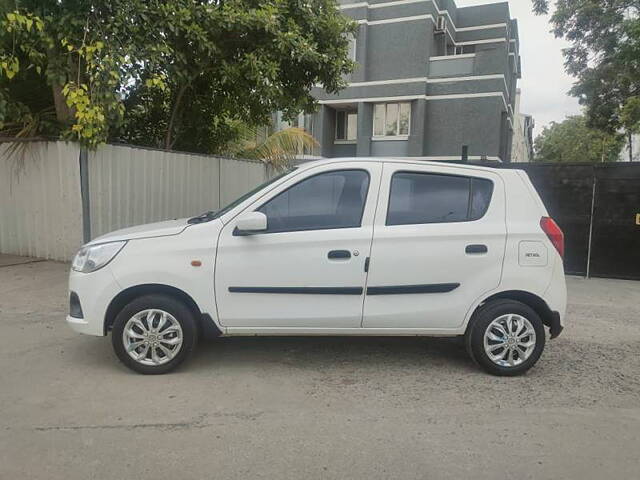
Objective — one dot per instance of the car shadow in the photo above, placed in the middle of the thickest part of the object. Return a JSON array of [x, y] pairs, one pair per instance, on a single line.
[[315, 353]]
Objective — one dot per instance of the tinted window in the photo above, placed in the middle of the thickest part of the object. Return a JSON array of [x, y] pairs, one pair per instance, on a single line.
[[431, 198], [328, 200]]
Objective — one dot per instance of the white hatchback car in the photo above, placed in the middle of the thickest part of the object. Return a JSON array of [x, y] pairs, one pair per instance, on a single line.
[[336, 247]]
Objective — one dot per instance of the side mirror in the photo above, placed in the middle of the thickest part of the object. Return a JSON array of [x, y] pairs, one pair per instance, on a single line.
[[250, 223]]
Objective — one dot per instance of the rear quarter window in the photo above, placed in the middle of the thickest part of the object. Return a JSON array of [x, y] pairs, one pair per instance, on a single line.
[[419, 198], [481, 191]]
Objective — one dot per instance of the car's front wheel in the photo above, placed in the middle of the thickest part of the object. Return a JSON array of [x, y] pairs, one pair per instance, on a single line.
[[506, 337], [154, 334]]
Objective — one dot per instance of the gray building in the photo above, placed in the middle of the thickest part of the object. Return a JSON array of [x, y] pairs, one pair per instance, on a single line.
[[523, 125], [431, 78]]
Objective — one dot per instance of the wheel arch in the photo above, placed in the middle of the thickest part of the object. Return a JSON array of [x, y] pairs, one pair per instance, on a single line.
[[549, 318], [207, 327]]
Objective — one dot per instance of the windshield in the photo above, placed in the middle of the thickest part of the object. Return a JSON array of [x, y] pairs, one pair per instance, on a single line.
[[207, 216]]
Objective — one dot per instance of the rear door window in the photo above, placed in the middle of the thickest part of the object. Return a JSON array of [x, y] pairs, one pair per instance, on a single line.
[[418, 198]]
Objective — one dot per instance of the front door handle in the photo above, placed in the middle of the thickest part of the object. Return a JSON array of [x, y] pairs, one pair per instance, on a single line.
[[476, 249], [339, 254]]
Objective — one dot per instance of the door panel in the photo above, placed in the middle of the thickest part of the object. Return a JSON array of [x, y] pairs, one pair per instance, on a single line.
[[296, 275], [427, 275], [615, 248]]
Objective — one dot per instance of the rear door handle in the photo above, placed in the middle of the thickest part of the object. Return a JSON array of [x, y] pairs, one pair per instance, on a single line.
[[339, 254], [478, 248]]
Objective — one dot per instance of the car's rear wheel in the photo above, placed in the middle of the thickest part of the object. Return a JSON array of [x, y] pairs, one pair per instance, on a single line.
[[506, 337], [154, 334]]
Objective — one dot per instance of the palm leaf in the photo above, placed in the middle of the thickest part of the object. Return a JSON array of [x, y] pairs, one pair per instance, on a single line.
[[279, 150], [15, 136]]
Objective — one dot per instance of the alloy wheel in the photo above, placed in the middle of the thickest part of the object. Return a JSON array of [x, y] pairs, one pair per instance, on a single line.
[[509, 340], [152, 337]]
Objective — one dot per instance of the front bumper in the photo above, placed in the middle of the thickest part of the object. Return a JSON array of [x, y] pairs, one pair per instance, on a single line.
[[95, 292], [80, 325]]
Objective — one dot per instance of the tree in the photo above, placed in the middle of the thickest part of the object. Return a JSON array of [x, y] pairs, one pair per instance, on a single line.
[[573, 141], [604, 56], [170, 73]]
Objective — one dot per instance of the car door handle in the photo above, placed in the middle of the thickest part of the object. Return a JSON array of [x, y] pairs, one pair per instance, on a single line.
[[339, 254], [475, 249]]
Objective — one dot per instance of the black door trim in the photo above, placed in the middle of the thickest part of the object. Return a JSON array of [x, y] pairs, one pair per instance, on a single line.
[[300, 290], [386, 290], [474, 249], [339, 254], [409, 289]]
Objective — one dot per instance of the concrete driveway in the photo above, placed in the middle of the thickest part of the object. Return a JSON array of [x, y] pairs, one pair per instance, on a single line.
[[316, 408]]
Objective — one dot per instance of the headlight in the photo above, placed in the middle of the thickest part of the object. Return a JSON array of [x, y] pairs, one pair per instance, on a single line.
[[92, 257]]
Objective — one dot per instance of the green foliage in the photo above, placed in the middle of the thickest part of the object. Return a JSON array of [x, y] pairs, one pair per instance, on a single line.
[[572, 141], [604, 56], [630, 114], [69, 50], [23, 112], [176, 74]]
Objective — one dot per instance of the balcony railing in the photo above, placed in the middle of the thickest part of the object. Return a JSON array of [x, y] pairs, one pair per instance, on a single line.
[[452, 65]]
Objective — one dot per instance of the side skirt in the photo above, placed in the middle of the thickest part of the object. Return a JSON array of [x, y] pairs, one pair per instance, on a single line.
[[380, 332]]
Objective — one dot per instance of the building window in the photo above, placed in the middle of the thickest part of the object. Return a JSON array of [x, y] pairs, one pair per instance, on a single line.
[[352, 48], [391, 119], [346, 125]]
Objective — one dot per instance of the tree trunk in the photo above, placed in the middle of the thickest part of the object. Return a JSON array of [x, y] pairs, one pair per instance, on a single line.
[[168, 140], [630, 146], [63, 112]]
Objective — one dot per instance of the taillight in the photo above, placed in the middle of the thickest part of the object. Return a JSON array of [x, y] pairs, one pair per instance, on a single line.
[[551, 228]]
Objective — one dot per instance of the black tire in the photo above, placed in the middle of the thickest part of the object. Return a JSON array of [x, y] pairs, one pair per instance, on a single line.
[[482, 318], [175, 308]]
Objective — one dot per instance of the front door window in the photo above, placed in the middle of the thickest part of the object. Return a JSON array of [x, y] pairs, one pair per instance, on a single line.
[[325, 201]]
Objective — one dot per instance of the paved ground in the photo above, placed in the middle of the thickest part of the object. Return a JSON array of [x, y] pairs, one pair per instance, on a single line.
[[8, 260], [298, 408]]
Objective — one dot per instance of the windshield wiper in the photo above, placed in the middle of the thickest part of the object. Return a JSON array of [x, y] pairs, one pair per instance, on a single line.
[[204, 217]]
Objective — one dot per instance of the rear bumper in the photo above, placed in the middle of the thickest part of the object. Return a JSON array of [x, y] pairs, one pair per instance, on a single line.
[[555, 297], [555, 327]]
